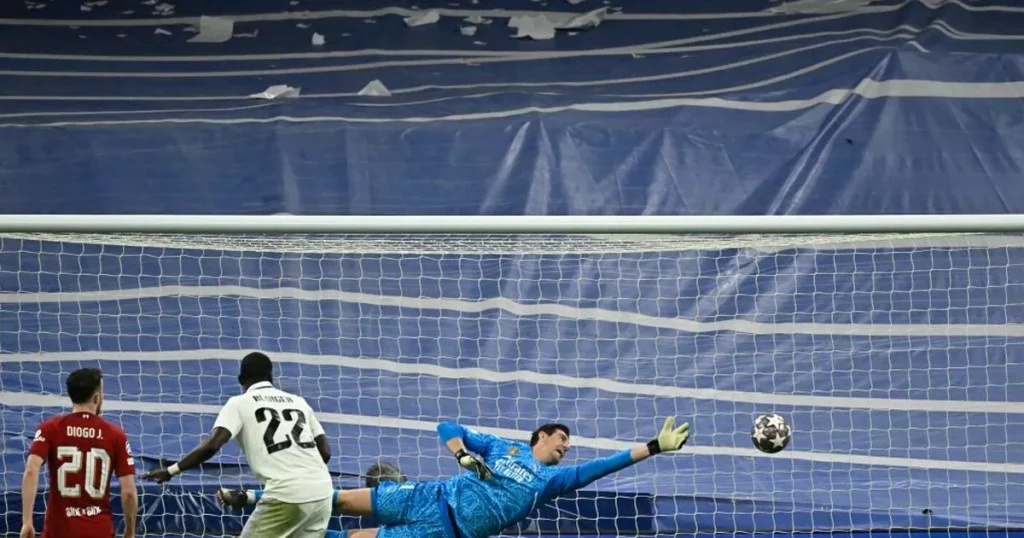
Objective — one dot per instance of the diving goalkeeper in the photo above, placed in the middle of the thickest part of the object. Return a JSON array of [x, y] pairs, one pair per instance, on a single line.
[[508, 481]]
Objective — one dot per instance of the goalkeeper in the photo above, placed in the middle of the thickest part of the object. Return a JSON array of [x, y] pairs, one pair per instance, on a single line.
[[508, 481]]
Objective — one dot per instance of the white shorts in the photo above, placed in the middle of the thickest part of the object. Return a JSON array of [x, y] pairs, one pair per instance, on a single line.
[[276, 519]]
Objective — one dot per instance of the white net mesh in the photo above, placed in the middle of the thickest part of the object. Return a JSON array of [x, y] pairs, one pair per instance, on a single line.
[[894, 357]]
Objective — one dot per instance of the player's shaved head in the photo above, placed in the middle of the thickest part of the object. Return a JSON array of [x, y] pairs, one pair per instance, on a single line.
[[83, 384], [256, 367]]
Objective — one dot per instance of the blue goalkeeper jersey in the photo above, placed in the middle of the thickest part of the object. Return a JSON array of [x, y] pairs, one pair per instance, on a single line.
[[520, 483]]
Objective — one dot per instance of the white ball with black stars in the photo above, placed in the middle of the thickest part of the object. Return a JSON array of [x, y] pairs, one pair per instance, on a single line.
[[771, 433]]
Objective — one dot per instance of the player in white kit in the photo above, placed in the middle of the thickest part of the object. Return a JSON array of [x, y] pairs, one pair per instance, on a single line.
[[287, 451]]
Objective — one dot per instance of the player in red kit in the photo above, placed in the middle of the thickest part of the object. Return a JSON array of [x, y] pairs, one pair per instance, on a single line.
[[81, 450]]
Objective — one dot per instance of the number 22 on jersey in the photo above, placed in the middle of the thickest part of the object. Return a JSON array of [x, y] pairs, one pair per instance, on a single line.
[[274, 419]]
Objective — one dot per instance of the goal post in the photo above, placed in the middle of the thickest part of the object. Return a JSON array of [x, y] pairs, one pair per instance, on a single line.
[[892, 345], [514, 224]]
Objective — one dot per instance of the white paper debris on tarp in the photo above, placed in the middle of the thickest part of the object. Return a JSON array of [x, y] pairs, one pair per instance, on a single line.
[[214, 30], [543, 25], [574, 2], [148, 2], [429, 16], [302, 25], [534, 26], [318, 40], [277, 91], [122, 36], [346, 34], [161, 31], [293, 3], [375, 88], [85, 8], [191, 30], [128, 12], [477, 19], [479, 42], [253, 33], [163, 9], [370, 21], [590, 19], [467, 30]]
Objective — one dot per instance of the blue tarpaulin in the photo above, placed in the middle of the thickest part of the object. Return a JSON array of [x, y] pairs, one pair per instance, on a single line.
[[747, 107]]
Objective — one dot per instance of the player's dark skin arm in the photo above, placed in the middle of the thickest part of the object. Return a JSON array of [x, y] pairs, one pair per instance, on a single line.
[[199, 455], [322, 447]]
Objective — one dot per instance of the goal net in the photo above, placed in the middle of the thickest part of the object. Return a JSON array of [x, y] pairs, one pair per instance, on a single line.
[[896, 359]]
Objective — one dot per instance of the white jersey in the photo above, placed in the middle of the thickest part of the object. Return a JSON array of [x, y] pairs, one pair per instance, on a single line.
[[276, 430]]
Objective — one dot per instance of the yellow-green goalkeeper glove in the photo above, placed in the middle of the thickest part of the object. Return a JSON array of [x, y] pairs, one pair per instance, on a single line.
[[473, 463], [670, 438]]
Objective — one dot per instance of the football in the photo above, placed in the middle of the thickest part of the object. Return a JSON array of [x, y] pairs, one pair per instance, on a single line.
[[771, 433]]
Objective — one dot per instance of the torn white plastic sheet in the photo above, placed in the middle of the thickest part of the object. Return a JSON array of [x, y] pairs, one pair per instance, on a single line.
[[318, 40], [420, 19], [375, 88], [467, 30], [214, 30], [543, 25], [277, 91]]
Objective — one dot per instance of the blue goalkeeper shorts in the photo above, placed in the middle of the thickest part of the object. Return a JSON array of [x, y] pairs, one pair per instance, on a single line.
[[411, 510]]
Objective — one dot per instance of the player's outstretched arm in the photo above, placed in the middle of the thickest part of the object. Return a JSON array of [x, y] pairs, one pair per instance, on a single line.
[[229, 423], [669, 439], [29, 488], [199, 455], [458, 439]]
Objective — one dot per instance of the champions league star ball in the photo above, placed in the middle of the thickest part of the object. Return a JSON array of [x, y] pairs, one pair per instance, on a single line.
[[771, 433]]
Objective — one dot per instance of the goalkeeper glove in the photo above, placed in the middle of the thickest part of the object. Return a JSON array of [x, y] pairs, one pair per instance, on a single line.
[[670, 438], [473, 463]]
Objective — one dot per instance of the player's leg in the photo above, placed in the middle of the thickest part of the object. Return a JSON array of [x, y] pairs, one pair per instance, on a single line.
[[355, 502], [313, 519], [413, 530], [394, 504], [272, 518]]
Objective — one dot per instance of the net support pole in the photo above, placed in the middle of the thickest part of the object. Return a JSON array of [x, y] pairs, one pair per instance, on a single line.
[[493, 224]]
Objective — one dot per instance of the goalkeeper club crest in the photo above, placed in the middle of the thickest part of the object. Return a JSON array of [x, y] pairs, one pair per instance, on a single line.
[[513, 451]]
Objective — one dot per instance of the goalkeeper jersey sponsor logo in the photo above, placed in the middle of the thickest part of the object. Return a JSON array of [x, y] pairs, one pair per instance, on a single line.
[[510, 469]]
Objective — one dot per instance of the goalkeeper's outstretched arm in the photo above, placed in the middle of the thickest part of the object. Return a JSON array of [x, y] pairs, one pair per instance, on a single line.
[[572, 478]]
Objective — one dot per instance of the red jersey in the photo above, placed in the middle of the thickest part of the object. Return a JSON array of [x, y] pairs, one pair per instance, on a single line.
[[81, 450]]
